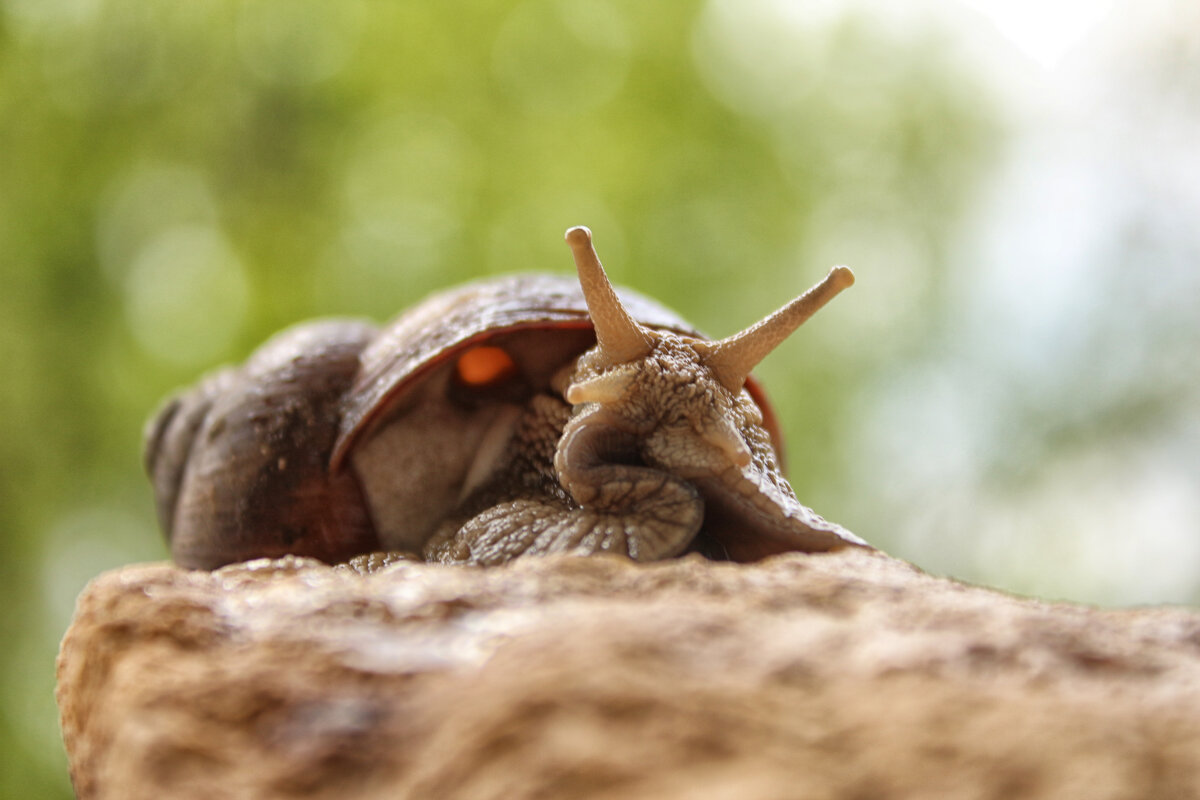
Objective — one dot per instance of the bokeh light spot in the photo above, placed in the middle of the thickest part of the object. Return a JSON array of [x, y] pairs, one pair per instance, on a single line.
[[298, 42], [409, 156], [756, 57], [186, 296], [35, 14], [142, 203], [82, 543], [562, 56]]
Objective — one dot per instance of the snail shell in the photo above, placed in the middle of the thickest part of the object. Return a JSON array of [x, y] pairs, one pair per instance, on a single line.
[[520, 415]]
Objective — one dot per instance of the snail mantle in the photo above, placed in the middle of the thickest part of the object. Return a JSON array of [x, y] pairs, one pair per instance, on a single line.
[[844, 674]]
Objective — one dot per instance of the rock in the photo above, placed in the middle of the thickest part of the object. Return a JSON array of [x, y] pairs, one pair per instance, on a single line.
[[844, 675]]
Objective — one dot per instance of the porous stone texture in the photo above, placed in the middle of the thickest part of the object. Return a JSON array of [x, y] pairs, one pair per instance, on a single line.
[[843, 675]]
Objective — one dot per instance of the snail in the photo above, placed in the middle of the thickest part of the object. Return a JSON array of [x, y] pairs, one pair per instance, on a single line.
[[520, 415]]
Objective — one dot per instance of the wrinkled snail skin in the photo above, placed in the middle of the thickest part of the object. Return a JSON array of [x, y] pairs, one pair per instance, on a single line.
[[523, 415]]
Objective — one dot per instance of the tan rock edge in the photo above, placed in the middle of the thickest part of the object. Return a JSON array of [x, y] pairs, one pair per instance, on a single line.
[[846, 675]]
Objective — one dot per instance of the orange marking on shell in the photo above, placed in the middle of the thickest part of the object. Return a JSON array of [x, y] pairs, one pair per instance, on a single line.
[[486, 365]]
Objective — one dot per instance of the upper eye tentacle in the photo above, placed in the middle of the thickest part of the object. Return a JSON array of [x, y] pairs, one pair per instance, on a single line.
[[732, 358], [620, 337]]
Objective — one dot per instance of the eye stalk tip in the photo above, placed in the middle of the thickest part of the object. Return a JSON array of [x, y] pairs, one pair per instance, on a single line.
[[841, 277], [578, 237]]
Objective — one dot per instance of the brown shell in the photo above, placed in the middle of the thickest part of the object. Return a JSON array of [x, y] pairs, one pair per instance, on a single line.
[[447, 323], [251, 461], [240, 462]]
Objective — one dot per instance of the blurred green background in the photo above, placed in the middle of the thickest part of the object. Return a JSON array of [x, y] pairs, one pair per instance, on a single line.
[[1008, 395]]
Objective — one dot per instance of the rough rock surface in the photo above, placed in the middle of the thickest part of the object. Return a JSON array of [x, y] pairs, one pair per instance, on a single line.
[[846, 675]]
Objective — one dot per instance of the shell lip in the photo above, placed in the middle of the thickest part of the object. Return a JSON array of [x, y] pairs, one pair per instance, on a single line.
[[358, 420], [381, 380]]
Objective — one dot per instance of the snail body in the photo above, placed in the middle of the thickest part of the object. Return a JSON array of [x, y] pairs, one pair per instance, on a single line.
[[517, 416]]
